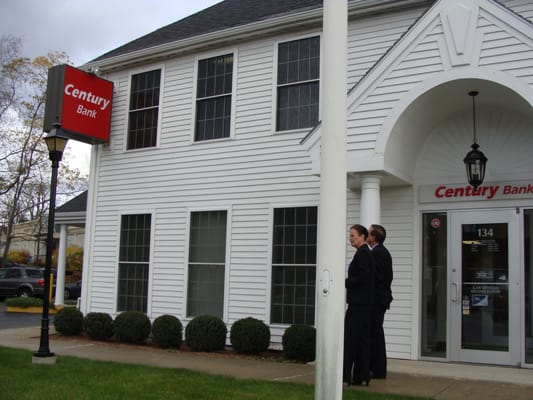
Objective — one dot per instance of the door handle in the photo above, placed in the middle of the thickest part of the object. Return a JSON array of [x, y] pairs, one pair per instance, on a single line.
[[455, 291]]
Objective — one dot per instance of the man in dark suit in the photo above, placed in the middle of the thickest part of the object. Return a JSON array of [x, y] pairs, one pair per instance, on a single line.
[[383, 298], [358, 320]]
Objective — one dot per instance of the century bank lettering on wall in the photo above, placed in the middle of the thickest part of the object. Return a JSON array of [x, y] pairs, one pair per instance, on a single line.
[[488, 191], [80, 102]]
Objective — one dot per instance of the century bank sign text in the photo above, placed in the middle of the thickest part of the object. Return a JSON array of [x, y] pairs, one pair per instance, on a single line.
[[80, 102], [489, 191]]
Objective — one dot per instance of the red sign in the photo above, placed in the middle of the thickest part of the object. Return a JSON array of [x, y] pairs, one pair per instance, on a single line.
[[487, 191], [435, 223], [80, 102]]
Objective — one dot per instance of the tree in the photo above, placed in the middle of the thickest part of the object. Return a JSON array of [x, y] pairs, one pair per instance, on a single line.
[[24, 164]]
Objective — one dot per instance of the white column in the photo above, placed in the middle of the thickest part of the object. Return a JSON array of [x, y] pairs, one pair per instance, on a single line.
[[370, 200], [332, 220], [61, 266]]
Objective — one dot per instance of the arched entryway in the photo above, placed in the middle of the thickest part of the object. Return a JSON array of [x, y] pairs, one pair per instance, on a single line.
[[471, 249]]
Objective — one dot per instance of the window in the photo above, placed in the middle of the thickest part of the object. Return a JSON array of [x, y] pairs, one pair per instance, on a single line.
[[298, 84], [35, 273], [207, 257], [294, 265], [434, 284], [213, 98], [14, 273], [144, 109], [134, 257]]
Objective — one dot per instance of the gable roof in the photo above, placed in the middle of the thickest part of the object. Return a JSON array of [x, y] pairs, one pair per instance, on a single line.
[[223, 15], [454, 32], [73, 212], [77, 204]]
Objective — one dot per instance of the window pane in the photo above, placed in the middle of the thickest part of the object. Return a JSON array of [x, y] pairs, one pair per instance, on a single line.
[[205, 290], [208, 237], [213, 117], [142, 128], [434, 283], [213, 104], [132, 287], [207, 253], [298, 106], [298, 75], [144, 109], [294, 265], [134, 255]]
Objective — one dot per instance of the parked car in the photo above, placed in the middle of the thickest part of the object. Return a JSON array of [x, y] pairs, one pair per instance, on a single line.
[[72, 290], [21, 281]]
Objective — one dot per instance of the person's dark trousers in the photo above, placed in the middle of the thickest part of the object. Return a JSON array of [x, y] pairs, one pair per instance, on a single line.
[[349, 345], [357, 327], [378, 357]]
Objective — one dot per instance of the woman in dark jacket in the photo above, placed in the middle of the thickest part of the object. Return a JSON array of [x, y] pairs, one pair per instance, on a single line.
[[357, 322]]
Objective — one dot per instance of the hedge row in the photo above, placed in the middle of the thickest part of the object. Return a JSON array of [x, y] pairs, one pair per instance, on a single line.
[[203, 333]]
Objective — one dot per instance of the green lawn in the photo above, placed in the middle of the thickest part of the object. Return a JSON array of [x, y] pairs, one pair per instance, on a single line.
[[79, 379]]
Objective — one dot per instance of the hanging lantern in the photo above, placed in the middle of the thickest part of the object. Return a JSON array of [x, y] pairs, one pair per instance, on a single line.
[[475, 161]]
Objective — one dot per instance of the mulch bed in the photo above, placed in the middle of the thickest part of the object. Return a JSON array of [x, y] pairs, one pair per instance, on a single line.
[[227, 352]]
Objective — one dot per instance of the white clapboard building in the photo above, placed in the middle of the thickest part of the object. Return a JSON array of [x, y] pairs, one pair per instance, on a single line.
[[206, 198]]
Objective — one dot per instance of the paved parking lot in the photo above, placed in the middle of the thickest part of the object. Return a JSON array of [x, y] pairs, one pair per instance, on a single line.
[[10, 320]]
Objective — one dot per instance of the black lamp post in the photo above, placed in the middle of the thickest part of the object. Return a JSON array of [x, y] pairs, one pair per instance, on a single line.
[[56, 142], [475, 161]]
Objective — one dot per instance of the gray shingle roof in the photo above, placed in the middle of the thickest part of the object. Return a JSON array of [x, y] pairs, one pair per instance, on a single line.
[[77, 204], [223, 15]]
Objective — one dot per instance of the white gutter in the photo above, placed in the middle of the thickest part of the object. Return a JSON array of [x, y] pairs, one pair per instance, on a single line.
[[298, 20]]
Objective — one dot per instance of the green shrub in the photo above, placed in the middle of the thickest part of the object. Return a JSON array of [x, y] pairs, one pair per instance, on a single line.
[[206, 333], [132, 327], [69, 321], [250, 335], [167, 331], [299, 342], [98, 326], [25, 302]]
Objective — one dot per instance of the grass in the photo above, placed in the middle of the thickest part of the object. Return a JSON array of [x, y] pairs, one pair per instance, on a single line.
[[81, 379]]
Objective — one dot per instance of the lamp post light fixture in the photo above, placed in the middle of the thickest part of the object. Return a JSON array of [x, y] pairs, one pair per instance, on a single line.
[[475, 161], [56, 142]]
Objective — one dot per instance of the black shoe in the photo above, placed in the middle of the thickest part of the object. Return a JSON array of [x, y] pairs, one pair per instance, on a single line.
[[362, 383]]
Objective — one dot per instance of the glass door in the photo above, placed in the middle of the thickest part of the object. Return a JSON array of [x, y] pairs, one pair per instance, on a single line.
[[484, 281]]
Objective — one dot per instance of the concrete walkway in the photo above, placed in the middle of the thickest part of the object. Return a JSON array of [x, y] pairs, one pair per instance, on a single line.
[[440, 381]]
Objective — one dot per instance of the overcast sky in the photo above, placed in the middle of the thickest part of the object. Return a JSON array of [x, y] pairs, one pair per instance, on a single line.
[[86, 29]]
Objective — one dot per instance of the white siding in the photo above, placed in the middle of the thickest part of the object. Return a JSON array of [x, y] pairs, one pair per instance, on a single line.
[[249, 277], [523, 8], [502, 49], [370, 38], [258, 169], [504, 52], [401, 320], [248, 174]]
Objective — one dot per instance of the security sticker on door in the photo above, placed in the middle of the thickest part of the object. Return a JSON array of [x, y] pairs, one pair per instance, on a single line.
[[466, 306]]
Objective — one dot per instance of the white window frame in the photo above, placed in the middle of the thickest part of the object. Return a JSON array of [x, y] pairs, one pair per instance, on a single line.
[[159, 115], [274, 206], [153, 217], [227, 265], [197, 60], [275, 79]]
